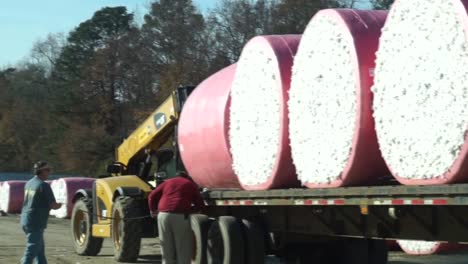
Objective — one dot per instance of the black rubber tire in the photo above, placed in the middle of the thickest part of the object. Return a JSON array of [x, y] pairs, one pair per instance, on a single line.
[[128, 249], [200, 227], [91, 245], [254, 238], [378, 252], [225, 242]]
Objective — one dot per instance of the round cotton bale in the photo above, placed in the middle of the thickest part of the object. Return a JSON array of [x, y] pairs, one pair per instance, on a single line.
[[258, 130], [12, 196], [331, 128], [64, 189], [203, 132], [413, 247], [421, 97]]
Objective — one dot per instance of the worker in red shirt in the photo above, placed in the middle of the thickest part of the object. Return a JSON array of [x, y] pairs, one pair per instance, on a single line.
[[171, 203]]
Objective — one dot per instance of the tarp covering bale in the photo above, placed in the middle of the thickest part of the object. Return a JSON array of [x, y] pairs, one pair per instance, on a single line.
[[258, 130], [64, 190], [12, 196], [421, 97], [413, 247], [332, 131], [203, 132]]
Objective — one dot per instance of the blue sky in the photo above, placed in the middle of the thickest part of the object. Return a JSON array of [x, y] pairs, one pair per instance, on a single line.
[[22, 22]]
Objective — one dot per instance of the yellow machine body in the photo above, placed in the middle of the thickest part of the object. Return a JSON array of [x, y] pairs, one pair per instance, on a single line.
[[151, 134], [105, 193]]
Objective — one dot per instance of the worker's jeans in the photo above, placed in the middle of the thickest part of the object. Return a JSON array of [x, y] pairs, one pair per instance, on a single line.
[[34, 247], [175, 234]]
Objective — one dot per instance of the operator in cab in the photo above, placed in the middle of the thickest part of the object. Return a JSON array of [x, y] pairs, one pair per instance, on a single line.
[[172, 203], [38, 201]]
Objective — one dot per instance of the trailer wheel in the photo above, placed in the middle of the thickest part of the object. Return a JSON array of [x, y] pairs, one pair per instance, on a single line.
[[200, 227], [254, 238], [225, 242], [81, 229], [378, 252], [126, 233]]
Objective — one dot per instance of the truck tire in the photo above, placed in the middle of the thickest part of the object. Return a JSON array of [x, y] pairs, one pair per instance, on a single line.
[[254, 237], [81, 229], [225, 242], [200, 227], [126, 233], [378, 252]]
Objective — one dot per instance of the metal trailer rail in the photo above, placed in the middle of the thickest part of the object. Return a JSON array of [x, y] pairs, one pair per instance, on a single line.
[[433, 213]]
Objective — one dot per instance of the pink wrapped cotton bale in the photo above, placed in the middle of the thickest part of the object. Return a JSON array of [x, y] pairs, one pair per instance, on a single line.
[[258, 130], [421, 97], [331, 128], [64, 189], [393, 245], [12, 196], [203, 132], [413, 247]]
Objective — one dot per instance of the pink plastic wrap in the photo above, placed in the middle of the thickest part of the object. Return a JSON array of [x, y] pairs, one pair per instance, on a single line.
[[432, 248], [64, 189], [203, 132], [365, 163], [393, 245], [12, 196], [281, 49]]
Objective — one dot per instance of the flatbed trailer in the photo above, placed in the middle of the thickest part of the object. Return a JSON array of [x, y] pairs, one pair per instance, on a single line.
[[299, 218], [433, 213]]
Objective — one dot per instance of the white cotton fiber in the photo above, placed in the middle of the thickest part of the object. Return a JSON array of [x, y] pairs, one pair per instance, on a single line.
[[59, 189], [322, 106], [4, 196], [255, 115], [420, 89], [419, 247]]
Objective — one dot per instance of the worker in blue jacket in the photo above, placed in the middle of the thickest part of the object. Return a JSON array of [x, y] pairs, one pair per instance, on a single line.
[[38, 201]]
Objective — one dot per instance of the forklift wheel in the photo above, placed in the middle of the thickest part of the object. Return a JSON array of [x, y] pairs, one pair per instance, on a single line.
[[126, 233], [81, 224]]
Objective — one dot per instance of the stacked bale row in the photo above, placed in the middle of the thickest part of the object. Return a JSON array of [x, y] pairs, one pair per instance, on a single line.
[[64, 189], [325, 126], [329, 121], [12, 194]]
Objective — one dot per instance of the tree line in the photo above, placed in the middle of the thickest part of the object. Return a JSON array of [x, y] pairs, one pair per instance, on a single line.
[[77, 95]]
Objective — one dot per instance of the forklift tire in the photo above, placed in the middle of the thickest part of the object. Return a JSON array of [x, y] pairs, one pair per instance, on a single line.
[[255, 239], [378, 252], [126, 233], [225, 242], [81, 229], [200, 227]]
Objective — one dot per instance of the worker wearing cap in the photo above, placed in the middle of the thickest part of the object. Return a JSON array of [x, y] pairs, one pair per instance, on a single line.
[[171, 203], [38, 201]]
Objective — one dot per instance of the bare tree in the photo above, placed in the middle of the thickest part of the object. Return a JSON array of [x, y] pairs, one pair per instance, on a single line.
[[46, 51]]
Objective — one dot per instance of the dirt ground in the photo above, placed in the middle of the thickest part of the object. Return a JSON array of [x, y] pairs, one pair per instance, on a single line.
[[59, 248]]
